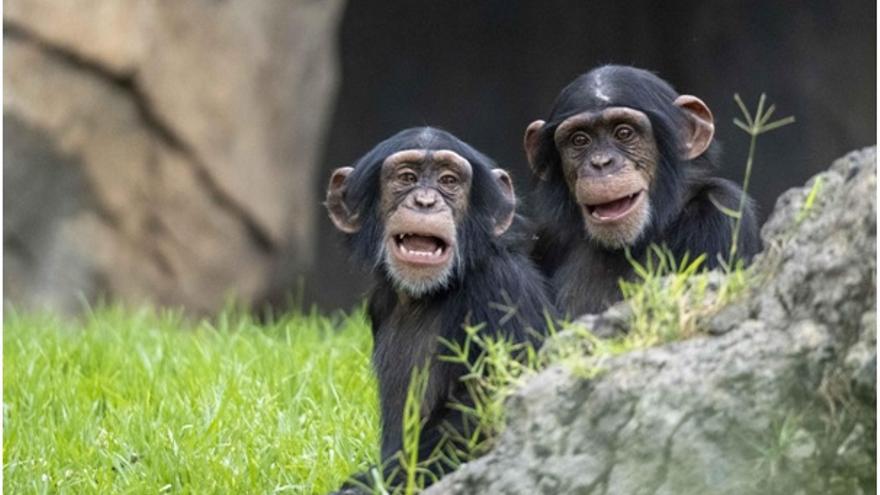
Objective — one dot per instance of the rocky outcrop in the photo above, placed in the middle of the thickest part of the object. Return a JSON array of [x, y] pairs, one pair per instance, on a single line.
[[157, 151], [778, 396]]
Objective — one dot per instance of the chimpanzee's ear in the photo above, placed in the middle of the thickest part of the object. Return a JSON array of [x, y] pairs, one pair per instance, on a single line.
[[531, 143], [701, 125], [343, 219], [506, 215]]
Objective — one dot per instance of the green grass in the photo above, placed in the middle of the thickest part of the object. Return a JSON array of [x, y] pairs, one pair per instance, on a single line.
[[144, 402]]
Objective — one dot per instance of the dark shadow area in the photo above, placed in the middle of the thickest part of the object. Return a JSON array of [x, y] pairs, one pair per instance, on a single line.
[[484, 70], [43, 187]]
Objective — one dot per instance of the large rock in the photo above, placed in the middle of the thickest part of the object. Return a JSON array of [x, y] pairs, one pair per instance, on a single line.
[[780, 399], [162, 151]]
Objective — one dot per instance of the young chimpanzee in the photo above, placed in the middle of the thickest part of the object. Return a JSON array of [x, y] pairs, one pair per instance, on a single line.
[[624, 161], [432, 216]]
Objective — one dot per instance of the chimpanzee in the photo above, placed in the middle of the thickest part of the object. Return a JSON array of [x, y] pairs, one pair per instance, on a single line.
[[622, 162], [437, 224]]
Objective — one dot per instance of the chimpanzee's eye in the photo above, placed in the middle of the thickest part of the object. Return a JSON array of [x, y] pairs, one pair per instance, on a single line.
[[580, 139], [449, 180], [624, 132], [407, 177]]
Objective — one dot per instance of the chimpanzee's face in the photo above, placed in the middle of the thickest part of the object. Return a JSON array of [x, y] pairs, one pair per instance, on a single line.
[[424, 198], [407, 211], [609, 159], [608, 152]]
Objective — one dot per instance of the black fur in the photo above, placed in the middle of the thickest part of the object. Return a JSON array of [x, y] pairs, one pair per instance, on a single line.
[[493, 271], [584, 274]]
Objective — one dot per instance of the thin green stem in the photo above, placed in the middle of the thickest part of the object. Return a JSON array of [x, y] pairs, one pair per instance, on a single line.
[[753, 127], [412, 426], [743, 198]]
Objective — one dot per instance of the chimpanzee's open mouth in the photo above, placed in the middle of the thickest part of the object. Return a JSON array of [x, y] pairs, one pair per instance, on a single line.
[[421, 249], [614, 210]]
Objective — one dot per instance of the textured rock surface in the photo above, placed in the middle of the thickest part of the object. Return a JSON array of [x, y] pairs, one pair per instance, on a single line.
[[167, 144], [780, 399]]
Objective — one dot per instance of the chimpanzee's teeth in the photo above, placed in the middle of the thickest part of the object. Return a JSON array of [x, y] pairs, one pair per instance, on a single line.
[[425, 254]]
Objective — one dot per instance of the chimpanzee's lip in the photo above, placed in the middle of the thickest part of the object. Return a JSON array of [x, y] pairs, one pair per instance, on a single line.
[[421, 249], [614, 210]]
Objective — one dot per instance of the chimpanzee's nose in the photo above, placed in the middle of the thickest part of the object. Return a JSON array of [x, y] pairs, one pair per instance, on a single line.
[[425, 198], [600, 160]]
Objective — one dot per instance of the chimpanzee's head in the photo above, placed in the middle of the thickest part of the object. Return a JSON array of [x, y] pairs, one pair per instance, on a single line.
[[616, 149], [423, 207]]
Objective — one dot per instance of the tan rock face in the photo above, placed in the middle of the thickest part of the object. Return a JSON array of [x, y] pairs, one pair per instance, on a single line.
[[108, 32], [174, 145]]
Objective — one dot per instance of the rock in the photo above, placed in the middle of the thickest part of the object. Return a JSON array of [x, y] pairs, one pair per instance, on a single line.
[[781, 401], [861, 360], [611, 323], [111, 33], [188, 133]]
